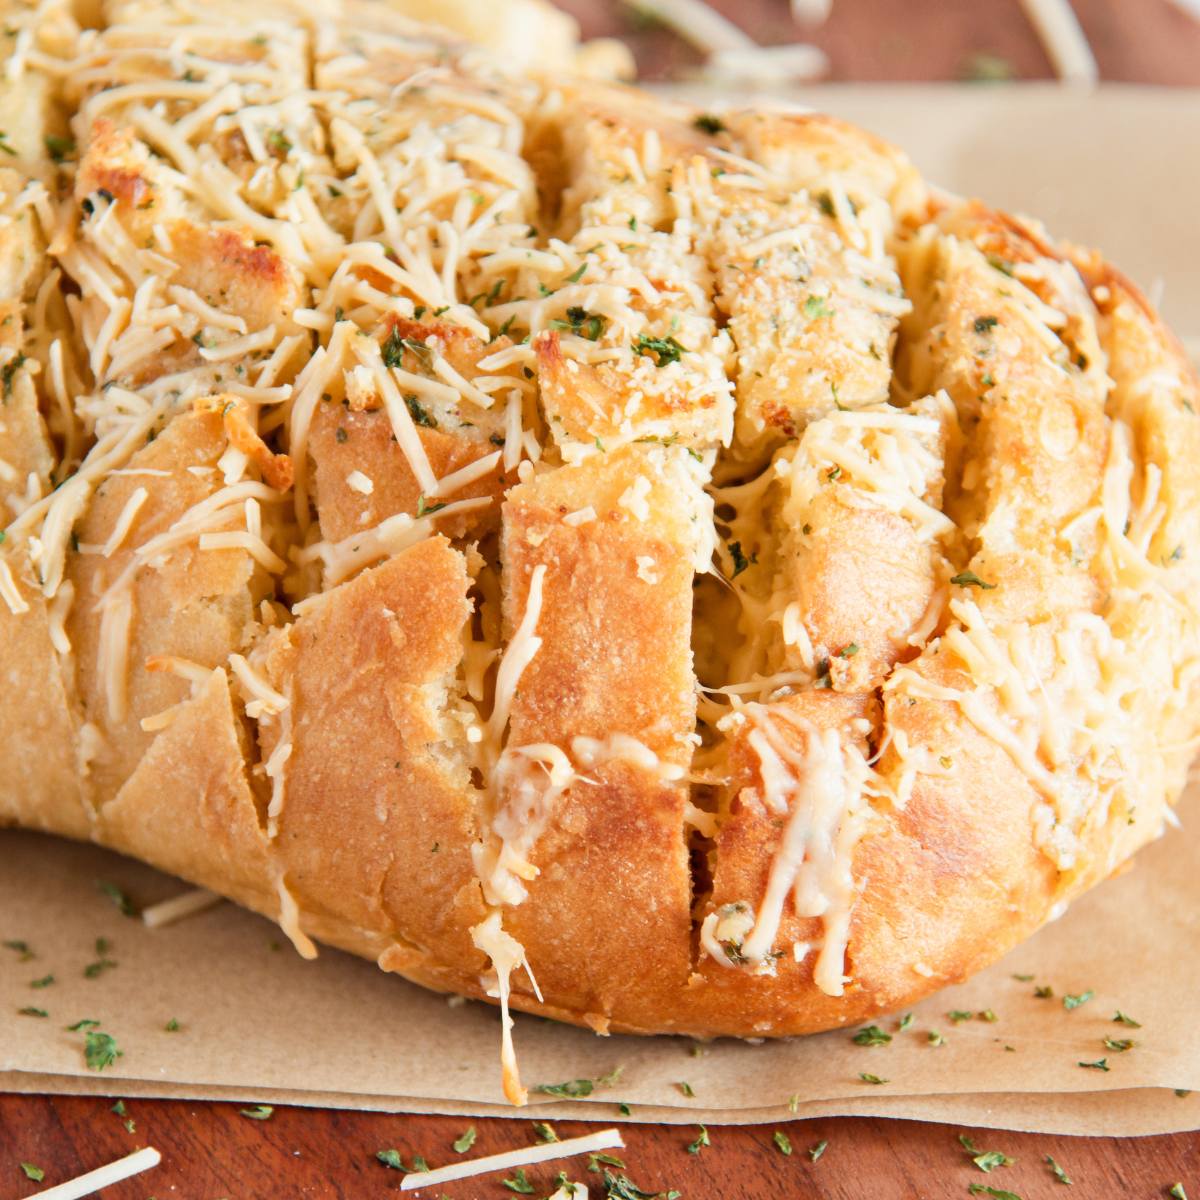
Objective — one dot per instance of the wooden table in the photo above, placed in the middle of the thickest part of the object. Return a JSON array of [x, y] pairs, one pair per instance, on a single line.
[[210, 1151], [1136, 41]]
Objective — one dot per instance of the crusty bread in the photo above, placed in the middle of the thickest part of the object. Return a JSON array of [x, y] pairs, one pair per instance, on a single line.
[[491, 522]]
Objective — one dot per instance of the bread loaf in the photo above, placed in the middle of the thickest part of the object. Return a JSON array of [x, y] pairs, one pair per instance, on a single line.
[[671, 571]]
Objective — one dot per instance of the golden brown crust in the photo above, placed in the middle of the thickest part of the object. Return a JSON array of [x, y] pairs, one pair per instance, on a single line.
[[374, 817]]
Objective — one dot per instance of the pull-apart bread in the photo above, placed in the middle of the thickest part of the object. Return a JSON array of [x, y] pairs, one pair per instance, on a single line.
[[666, 570]]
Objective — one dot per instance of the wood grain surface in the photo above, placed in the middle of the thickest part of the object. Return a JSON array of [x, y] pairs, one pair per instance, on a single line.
[[1135, 41], [211, 1152]]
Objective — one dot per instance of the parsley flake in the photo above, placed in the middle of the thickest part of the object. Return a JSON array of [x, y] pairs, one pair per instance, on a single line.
[[100, 1050], [32, 1172], [1124, 1019], [782, 1142], [1176, 1190], [959, 1014], [579, 1087], [1044, 993], [970, 579], [424, 508], [1059, 1173], [986, 324], [1119, 1044], [597, 1161], [118, 897], [986, 1160], [700, 1142], [1070, 1002], [905, 1022], [662, 350], [419, 413], [30, 1011], [519, 1182], [815, 308], [815, 1152], [44, 982], [872, 1078], [466, 1140], [22, 949], [740, 561], [935, 1038], [709, 124], [686, 1089], [81, 1025], [872, 1036], [1101, 1064], [260, 1112], [581, 322], [621, 1187]]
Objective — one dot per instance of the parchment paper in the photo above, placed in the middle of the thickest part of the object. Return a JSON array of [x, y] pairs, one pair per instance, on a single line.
[[255, 1022]]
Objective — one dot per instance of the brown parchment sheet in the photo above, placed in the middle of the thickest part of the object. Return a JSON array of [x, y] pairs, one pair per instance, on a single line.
[[256, 1022]]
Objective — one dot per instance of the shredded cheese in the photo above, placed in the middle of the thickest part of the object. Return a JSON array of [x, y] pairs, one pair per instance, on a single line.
[[103, 1177], [289, 921], [591, 1143], [167, 912]]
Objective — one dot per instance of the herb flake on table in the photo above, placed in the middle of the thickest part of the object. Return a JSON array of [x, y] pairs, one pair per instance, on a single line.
[[32, 1172], [1059, 1173], [986, 1160], [260, 1112], [1070, 1002], [871, 1078], [87, 1021], [782, 1142], [543, 1129], [118, 1108], [519, 1182], [44, 982], [24, 954], [466, 1139], [686, 1089], [1101, 1064], [621, 1187], [700, 1142], [30, 1011], [815, 1152], [1119, 1044], [1176, 1190], [1121, 1018], [597, 1162], [970, 579]]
